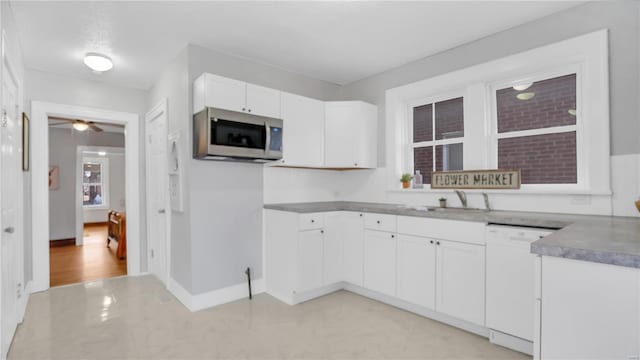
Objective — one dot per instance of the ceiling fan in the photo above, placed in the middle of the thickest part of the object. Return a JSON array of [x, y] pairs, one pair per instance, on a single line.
[[78, 124]]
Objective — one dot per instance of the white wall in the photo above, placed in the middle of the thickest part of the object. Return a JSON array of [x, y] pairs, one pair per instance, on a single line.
[[62, 153]]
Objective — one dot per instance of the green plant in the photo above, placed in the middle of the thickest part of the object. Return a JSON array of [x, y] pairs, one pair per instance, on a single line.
[[406, 177]]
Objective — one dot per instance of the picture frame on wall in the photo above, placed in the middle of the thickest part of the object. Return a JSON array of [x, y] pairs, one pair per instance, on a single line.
[[26, 141], [54, 177]]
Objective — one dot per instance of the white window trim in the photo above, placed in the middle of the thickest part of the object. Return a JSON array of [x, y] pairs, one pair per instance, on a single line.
[[587, 53], [104, 169]]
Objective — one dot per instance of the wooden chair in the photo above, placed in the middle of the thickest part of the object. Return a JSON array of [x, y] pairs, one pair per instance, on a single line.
[[117, 231]]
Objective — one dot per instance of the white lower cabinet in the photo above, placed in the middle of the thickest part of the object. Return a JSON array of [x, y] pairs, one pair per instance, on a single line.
[[380, 261], [416, 270], [353, 248], [460, 287], [332, 249], [310, 260]]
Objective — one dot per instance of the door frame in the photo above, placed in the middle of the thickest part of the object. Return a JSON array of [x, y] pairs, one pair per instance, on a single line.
[[159, 109], [40, 112], [80, 150]]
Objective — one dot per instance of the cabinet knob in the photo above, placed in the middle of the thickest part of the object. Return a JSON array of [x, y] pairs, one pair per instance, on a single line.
[[430, 241], [378, 221], [355, 164], [437, 242], [321, 231], [312, 221], [393, 236], [360, 215], [249, 110], [244, 109]]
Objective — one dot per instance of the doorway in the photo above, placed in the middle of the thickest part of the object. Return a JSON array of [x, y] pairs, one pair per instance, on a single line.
[[41, 112], [86, 200]]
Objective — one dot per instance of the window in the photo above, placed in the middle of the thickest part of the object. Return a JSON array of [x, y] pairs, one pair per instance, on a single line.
[[94, 183], [438, 129], [536, 130]]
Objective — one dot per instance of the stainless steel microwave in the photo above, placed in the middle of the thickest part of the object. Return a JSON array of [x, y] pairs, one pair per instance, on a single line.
[[234, 136]]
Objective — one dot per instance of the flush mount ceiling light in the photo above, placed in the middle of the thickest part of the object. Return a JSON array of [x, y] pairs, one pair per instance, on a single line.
[[572, 112], [521, 87], [102, 153], [98, 62], [525, 96], [80, 125]]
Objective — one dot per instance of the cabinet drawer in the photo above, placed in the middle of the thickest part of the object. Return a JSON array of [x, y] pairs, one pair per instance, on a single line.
[[311, 221], [462, 231], [380, 222]]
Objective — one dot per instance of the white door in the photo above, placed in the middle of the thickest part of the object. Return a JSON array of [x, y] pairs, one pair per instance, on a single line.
[[340, 128], [303, 119], [309, 260], [10, 170], [417, 270], [157, 189], [460, 280], [263, 101], [353, 243], [332, 249], [380, 262], [225, 93]]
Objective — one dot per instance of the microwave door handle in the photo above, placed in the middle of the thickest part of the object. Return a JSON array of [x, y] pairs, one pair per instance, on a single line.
[[268, 139]]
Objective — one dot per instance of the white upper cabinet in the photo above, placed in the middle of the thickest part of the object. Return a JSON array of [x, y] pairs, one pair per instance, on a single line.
[[303, 143], [224, 93], [263, 101], [350, 134]]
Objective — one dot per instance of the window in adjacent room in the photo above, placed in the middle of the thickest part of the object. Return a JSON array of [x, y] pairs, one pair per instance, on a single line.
[[94, 183], [438, 134], [537, 130]]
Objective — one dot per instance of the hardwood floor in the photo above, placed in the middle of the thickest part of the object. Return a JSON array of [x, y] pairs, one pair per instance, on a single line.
[[94, 260]]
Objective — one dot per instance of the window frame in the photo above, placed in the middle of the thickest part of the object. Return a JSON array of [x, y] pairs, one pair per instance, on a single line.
[[104, 176], [495, 136], [411, 145], [588, 52]]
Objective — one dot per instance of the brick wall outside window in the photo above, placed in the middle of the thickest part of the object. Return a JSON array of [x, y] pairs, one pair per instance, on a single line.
[[543, 159], [423, 161], [549, 107], [449, 119], [423, 123]]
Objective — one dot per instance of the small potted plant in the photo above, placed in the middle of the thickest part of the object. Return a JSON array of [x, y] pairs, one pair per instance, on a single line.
[[405, 179], [443, 202]]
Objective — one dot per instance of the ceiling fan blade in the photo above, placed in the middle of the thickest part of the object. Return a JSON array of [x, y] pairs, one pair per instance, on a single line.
[[95, 127]]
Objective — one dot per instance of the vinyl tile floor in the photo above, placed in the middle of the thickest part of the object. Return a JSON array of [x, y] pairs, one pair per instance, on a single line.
[[136, 318]]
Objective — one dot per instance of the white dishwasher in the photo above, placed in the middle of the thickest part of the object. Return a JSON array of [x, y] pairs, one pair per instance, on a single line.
[[510, 285]]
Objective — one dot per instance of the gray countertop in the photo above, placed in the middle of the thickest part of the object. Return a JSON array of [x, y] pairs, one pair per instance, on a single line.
[[601, 239]]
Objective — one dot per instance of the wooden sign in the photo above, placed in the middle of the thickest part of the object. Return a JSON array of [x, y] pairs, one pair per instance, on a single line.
[[476, 179]]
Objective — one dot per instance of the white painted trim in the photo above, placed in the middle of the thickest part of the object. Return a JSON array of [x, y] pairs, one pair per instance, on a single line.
[[511, 342], [40, 111], [22, 304], [215, 297], [159, 109], [588, 52], [540, 131]]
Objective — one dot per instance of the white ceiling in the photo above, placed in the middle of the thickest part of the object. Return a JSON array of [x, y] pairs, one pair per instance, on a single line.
[[339, 42]]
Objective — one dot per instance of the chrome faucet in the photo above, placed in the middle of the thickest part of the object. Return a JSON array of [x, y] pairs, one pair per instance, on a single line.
[[486, 201], [463, 198]]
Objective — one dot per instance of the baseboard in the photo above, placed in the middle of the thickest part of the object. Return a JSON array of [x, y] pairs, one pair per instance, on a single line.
[[24, 301], [179, 292], [98, 223], [416, 309], [312, 294], [511, 342], [225, 295], [62, 242], [215, 297]]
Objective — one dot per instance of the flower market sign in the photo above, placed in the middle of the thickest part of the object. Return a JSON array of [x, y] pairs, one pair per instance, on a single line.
[[476, 179]]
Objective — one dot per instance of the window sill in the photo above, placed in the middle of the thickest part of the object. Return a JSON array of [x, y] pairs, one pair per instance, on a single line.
[[96, 207]]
